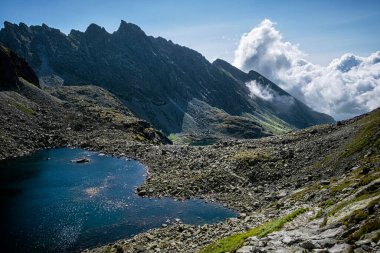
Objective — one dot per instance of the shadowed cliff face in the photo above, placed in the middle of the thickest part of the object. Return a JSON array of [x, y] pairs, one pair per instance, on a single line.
[[11, 68], [155, 78]]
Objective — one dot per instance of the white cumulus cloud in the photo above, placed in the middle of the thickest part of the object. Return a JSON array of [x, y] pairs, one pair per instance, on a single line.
[[348, 86], [258, 91], [282, 102]]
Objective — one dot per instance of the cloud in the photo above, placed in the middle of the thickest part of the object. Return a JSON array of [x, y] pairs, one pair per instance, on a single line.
[[258, 91], [348, 86], [281, 102]]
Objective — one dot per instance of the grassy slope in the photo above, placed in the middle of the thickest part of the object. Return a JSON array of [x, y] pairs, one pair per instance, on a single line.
[[234, 242]]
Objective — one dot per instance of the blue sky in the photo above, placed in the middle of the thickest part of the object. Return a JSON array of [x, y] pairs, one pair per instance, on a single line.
[[324, 29]]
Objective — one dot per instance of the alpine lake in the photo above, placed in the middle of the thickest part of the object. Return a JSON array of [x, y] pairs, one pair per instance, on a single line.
[[52, 202]]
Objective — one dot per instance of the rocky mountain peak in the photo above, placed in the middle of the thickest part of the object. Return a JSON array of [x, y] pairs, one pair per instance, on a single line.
[[129, 28], [94, 28]]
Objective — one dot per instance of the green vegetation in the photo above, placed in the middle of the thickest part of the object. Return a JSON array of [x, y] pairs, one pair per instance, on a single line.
[[324, 206], [273, 124], [173, 137], [252, 157], [299, 195], [109, 114], [366, 179], [234, 242], [369, 134], [339, 187], [179, 139], [23, 108], [355, 217], [367, 227], [139, 137], [343, 204]]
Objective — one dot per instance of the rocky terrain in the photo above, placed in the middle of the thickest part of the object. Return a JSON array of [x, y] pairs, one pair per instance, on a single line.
[[34, 118], [312, 190], [330, 171], [173, 87]]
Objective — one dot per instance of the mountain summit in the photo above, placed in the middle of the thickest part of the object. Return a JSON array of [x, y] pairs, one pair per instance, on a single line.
[[173, 87]]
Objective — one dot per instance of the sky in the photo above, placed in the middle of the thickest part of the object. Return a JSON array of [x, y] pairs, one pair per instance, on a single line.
[[326, 53], [325, 29]]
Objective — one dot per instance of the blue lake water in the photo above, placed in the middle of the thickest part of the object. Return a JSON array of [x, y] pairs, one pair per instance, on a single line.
[[50, 204]]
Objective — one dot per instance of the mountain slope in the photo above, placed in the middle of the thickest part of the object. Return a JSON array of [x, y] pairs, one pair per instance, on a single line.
[[282, 103], [34, 118], [157, 79]]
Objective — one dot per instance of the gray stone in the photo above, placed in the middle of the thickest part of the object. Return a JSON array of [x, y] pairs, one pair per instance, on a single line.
[[363, 242], [245, 249], [309, 245], [287, 239], [326, 242], [341, 248], [360, 250]]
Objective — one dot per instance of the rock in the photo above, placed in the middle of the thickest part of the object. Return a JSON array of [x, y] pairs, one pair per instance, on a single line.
[[372, 236], [326, 242], [245, 249], [242, 215], [309, 245], [341, 248], [141, 192], [360, 250], [281, 194], [363, 242], [117, 249], [288, 239], [325, 182], [81, 160]]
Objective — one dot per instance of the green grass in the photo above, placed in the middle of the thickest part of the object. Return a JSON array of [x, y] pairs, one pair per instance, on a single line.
[[273, 124], [325, 205], [179, 139], [23, 108], [300, 195], [234, 242], [339, 187], [366, 179], [249, 158], [343, 204], [367, 136], [173, 137], [367, 227]]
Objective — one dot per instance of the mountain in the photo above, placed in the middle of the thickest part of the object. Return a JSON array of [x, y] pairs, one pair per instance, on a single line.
[[171, 86], [34, 118], [282, 103]]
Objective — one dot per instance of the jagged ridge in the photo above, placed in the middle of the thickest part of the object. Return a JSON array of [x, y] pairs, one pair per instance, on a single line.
[[157, 79]]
